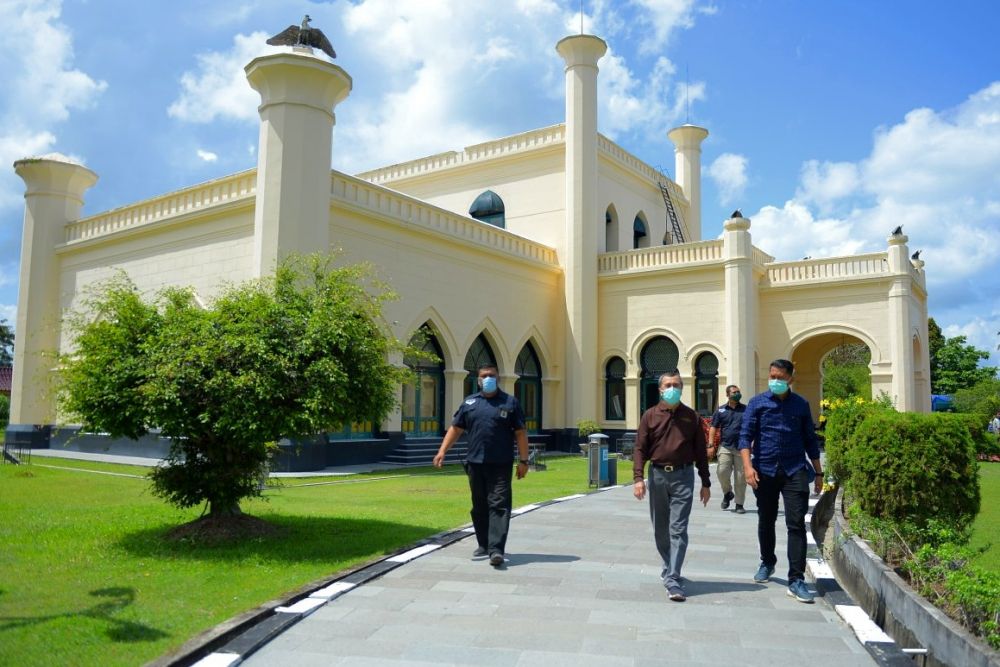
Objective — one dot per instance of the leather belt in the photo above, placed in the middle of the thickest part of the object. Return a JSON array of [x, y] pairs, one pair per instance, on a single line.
[[670, 467]]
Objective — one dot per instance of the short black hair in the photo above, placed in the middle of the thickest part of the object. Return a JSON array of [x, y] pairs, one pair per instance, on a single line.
[[483, 367], [730, 388], [783, 364]]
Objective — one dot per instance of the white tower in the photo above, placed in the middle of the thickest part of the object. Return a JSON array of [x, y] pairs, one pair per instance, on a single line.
[[687, 170], [583, 220], [298, 93]]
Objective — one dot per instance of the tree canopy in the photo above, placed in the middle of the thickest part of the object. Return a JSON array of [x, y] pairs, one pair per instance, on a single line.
[[6, 344], [846, 373], [955, 363], [295, 355]]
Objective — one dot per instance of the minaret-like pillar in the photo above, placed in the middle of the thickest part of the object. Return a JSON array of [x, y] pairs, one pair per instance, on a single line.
[[741, 304], [687, 170], [583, 221], [298, 93], [53, 198], [900, 343]]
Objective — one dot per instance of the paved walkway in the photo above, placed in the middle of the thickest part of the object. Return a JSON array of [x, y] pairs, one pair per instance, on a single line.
[[580, 587]]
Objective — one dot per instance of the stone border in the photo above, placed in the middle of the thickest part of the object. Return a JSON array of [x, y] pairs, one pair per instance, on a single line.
[[896, 607]]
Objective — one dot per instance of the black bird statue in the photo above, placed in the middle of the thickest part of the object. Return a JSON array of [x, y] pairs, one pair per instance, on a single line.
[[898, 231], [916, 255], [303, 35], [737, 214]]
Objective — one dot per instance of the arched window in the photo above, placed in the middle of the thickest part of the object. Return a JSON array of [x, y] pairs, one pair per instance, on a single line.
[[488, 207], [706, 384], [614, 389], [658, 356], [611, 230], [479, 354], [423, 401], [640, 238], [528, 387]]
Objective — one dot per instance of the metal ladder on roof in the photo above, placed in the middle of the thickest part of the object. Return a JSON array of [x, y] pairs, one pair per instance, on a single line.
[[674, 233]]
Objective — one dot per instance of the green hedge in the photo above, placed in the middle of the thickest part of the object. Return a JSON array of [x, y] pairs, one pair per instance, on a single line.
[[843, 416], [910, 467], [986, 443]]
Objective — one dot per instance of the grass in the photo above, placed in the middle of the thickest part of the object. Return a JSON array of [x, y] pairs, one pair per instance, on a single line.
[[86, 577], [986, 528]]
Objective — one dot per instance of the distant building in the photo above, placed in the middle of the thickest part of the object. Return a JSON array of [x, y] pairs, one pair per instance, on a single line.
[[575, 267]]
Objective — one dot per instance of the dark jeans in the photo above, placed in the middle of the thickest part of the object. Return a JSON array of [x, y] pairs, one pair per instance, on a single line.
[[794, 492], [491, 503]]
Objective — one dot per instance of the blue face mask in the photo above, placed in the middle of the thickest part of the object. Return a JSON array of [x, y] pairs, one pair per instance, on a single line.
[[777, 386], [671, 395], [489, 385]]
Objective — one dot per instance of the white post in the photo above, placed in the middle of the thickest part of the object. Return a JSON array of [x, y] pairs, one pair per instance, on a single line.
[[901, 345], [741, 304]]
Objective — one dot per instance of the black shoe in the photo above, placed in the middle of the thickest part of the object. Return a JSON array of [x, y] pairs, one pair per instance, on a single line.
[[726, 499], [496, 559], [740, 510], [480, 552], [676, 594]]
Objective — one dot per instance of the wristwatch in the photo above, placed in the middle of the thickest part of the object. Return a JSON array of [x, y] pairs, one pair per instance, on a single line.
[[523, 462]]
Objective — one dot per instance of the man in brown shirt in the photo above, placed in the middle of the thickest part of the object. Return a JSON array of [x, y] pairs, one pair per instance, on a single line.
[[672, 440]]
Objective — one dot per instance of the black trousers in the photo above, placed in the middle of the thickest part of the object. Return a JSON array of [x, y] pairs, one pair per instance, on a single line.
[[491, 503], [794, 492]]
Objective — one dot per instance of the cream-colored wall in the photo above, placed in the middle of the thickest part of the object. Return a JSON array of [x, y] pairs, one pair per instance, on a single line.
[[686, 306], [463, 290], [203, 254], [630, 196]]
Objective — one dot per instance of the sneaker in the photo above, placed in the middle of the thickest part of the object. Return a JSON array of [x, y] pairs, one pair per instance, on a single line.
[[496, 559], [739, 509], [798, 590], [480, 552], [676, 593], [726, 499], [763, 573]]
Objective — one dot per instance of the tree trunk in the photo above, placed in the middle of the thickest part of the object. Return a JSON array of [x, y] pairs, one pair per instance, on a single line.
[[220, 509]]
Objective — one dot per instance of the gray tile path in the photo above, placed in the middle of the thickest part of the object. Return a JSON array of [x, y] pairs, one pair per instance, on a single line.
[[580, 587]]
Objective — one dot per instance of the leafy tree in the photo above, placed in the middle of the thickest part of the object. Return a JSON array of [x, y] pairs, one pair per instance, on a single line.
[[956, 366], [298, 354], [846, 373], [983, 399], [6, 344]]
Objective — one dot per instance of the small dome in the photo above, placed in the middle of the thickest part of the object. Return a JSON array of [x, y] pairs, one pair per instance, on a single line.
[[488, 203]]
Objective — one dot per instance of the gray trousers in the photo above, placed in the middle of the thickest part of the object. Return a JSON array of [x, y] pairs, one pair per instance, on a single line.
[[730, 467], [670, 497]]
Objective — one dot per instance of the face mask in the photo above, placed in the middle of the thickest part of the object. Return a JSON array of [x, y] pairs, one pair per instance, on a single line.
[[672, 395], [735, 396], [777, 386], [489, 385]]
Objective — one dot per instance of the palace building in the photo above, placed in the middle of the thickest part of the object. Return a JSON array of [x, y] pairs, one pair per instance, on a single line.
[[575, 267]]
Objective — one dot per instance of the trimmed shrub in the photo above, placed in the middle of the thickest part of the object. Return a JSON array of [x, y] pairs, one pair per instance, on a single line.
[[840, 419], [909, 467], [986, 443]]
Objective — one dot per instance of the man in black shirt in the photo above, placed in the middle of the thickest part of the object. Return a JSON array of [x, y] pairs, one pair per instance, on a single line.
[[727, 420], [494, 421]]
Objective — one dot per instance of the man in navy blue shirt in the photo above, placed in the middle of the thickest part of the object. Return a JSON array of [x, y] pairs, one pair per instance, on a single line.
[[778, 429], [495, 422]]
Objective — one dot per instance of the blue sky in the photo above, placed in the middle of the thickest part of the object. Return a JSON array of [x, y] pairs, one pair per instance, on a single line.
[[830, 122]]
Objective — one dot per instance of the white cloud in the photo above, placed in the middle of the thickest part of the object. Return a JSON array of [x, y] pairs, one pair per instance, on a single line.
[[41, 86], [935, 173], [982, 332], [8, 311], [729, 171], [207, 156], [663, 17], [219, 87]]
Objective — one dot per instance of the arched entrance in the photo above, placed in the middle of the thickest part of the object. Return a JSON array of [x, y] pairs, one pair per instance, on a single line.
[[423, 401], [839, 348], [706, 384], [480, 353], [658, 356], [528, 387]]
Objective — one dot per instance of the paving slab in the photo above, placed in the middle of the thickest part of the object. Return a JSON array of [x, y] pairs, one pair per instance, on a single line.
[[580, 586]]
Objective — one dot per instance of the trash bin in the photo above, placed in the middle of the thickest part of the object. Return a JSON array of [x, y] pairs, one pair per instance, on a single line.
[[597, 460], [612, 469]]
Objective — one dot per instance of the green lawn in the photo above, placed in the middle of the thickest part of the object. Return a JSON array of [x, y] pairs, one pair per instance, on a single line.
[[986, 529], [87, 579]]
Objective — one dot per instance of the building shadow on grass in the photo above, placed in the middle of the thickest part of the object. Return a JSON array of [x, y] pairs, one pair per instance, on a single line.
[[113, 601], [297, 539]]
